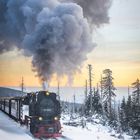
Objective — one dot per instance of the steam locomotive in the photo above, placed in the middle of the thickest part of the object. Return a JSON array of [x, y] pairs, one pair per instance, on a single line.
[[43, 112]]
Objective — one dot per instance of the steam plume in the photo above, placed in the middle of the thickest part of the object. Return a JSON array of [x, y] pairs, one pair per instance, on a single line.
[[96, 11], [55, 33]]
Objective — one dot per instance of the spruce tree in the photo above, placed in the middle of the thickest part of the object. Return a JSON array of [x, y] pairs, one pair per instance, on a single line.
[[136, 92], [97, 102], [122, 115], [135, 121], [128, 112], [87, 105], [108, 93]]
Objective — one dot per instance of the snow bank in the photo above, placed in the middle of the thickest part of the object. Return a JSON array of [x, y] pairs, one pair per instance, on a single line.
[[10, 130]]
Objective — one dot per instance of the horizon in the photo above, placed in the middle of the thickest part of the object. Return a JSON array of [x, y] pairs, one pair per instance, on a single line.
[[62, 87]]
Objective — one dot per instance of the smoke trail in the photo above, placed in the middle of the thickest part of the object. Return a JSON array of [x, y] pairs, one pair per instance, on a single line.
[[55, 34], [96, 11]]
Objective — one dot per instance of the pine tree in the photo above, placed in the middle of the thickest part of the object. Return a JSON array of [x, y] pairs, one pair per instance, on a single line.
[[136, 92], [87, 105], [128, 112], [108, 93], [135, 121], [122, 115], [97, 102], [64, 107]]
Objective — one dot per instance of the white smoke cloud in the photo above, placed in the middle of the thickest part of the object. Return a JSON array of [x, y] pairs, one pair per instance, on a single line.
[[96, 11], [55, 34]]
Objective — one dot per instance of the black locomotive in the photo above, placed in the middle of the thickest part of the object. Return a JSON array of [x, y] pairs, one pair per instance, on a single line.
[[43, 112]]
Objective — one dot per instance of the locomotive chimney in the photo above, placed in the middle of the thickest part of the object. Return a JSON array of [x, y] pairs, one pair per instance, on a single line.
[[45, 85]]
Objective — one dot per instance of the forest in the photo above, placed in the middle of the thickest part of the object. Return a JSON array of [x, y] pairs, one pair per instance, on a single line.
[[122, 116]]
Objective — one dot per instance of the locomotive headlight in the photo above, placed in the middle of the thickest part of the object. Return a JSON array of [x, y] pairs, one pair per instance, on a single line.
[[55, 118], [40, 118], [47, 93]]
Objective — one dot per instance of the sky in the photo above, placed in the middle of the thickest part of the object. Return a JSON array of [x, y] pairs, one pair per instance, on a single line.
[[118, 48]]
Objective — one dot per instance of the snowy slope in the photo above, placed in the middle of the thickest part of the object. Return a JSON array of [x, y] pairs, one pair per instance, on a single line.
[[84, 134], [96, 132], [10, 130]]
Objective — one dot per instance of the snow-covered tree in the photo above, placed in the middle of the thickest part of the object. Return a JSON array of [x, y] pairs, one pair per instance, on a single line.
[[108, 93], [130, 111], [136, 92], [96, 103], [135, 121], [88, 105], [122, 114], [64, 107]]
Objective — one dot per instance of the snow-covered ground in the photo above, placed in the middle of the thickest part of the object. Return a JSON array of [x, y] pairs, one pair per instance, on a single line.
[[10, 130], [92, 133], [93, 130]]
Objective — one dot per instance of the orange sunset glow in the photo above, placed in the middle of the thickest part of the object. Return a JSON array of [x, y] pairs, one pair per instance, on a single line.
[[13, 66]]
